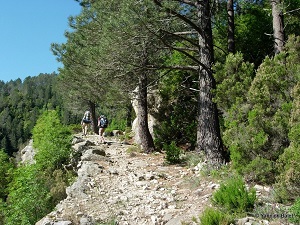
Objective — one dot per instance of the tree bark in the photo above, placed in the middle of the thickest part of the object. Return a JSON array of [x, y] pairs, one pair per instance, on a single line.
[[92, 107], [230, 32], [208, 132], [278, 26], [147, 143]]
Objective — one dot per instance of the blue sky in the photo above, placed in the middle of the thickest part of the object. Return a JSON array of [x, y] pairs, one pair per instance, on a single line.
[[28, 27]]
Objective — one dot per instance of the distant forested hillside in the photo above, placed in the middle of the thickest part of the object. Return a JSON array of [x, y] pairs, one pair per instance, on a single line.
[[21, 103]]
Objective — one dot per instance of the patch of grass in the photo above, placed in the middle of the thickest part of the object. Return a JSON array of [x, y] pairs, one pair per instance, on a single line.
[[223, 171], [134, 149], [192, 159], [193, 182]]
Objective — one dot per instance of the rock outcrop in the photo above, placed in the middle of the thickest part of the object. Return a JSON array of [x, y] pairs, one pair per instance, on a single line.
[[154, 102], [26, 155]]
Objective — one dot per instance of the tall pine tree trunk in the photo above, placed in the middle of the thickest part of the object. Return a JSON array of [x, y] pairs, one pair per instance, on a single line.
[[92, 107], [230, 32], [208, 132], [143, 129], [278, 29]]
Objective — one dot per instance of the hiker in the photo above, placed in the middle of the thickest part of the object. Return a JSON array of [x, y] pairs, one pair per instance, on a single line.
[[85, 122], [102, 124]]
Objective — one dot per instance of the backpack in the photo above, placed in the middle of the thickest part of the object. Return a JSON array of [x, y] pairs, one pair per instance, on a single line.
[[103, 123], [87, 117]]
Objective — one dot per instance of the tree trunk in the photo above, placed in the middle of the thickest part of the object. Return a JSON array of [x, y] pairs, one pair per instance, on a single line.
[[278, 29], [208, 132], [143, 129], [230, 32], [92, 107]]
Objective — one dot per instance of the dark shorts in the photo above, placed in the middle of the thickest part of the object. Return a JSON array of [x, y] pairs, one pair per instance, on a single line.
[[86, 121]]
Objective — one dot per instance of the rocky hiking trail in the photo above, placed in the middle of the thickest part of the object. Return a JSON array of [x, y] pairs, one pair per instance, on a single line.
[[129, 188], [115, 186]]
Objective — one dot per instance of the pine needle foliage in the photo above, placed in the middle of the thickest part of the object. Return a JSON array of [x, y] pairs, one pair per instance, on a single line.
[[234, 197], [257, 110], [211, 216], [173, 153]]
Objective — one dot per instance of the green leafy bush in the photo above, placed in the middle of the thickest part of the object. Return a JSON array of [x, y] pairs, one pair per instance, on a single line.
[[288, 180], [261, 171], [2, 211], [116, 125], [28, 197], [295, 212], [35, 189], [234, 80], [5, 166], [257, 116], [211, 216], [234, 197], [173, 153], [53, 141]]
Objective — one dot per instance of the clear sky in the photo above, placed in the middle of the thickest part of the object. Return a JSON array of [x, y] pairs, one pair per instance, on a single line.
[[27, 29]]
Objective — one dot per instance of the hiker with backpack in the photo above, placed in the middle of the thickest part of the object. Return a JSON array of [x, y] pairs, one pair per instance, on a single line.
[[102, 124], [85, 122]]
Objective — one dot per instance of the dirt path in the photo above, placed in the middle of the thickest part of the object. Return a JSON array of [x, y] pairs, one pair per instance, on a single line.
[[130, 188]]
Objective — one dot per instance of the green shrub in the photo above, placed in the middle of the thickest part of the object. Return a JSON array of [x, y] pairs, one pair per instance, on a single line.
[[5, 176], [295, 212], [2, 210], [75, 128], [288, 181], [211, 216], [116, 125], [53, 141], [234, 197], [35, 189], [29, 198], [261, 171], [127, 135], [173, 153], [234, 80], [262, 111]]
